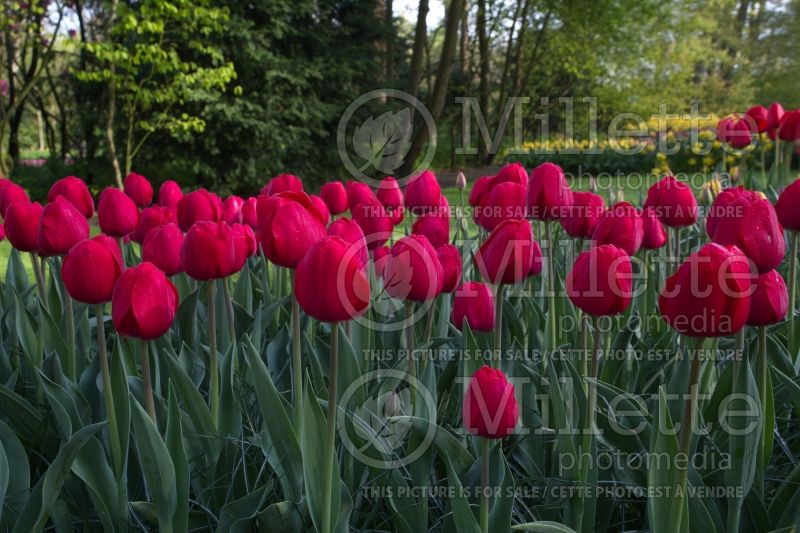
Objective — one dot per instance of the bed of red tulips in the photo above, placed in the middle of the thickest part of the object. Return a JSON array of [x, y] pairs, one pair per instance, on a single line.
[[373, 358]]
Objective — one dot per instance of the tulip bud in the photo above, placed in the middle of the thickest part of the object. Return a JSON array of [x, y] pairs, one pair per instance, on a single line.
[[289, 224], [232, 210], [91, 269], [61, 227], [151, 218], [413, 271], [490, 408], [479, 188], [169, 194], [788, 207], [620, 225], [775, 116], [117, 213], [511, 173], [600, 282], [144, 302], [422, 193], [359, 193], [244, 245], [374, 221], [581, 218], [390, 195], [548, 192], [790, 126], [502, 201], [76, 192], [735, 131], [461, 181], [450, 258], [473, 302], [391, 405], [673, 201], [250, 212], [162, 247], [760, 117], [330, 285], [769, 302], [282, 183], [10, 194], [199, 205], [351, 233], [139, 189], [654, 235], [506, 256], [435, 227], [709, 294], [22, 225], [208, 251], [322, 208], [335, 197]]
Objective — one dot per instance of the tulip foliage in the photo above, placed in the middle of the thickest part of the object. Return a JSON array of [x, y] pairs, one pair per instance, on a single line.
[[374, 358]]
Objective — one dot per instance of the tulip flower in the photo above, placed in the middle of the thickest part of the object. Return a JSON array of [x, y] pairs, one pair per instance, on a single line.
[[21, 226], [600, 282], [435, 227], [581, 218], [250, 212], [538, 261], [450, 258], [747, 220], [380, 257], [787, 207], [479, 188], [335, 197], [117, 213], [289, 224], [474, 303], [423, 193], [358, 193], [413, 271], [620, 225], [760, 116], [150, 218], [736, 131], [673, 201], [196, 206], [322, 208], [169, 194], [61, 227], [775, 116], [789, 129], [138, 188], [143, 305], [502, 201], [10, 194], [549, 194], [374, 220], [390, 195], [245, 244], [91, 268], [461, 181], [232, 210], [76, 192], [511, 173], [506, 256], [282, 183], [654, 235], [789, 216], [351, 233], [769, 302], [163, 246]]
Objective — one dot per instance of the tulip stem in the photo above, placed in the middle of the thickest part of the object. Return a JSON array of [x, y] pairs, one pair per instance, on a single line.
[[793, 295], [148, 385], [226, 293], [412, 362], [485, 485], [70, 363], [588, 421], [122, 251], [297, 359], [551, 284], [212, 350], [498, 329], [113, 431], [330, 435], [777, 164], [763, 164], [37, 270], [761, 375]]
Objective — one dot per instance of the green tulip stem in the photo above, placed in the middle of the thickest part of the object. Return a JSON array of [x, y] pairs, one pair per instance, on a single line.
[[147, 384], [793, 295], [551, 284], [122, 250], [412, 362], [71, 364], [212, 350], [330, 434], [777, 164], [589, 418], [113, 431], [485, 485], [498, 328], [763, 164], [37, 270], [297, 360], [761, 377], [229, 314]]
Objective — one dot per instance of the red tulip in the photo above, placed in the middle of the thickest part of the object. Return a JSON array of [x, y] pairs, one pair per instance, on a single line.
[[351, 233], [330, 285], [709, 295], [208, 251], [506, 256], [538, 260], [116, 213], [390, 195], [75, 190], [760, 116], [747, 220], [600, 282], [503, 201], [422, 193], [474, 302], [736, 131], [169, 194], [10, 194], [91, 269], [139, 189], [581, 218], [250, 212], [654, 235], [479, 188], [436, 227], [288, 225], [775, 116], [549, 194], [490, 408], [620, 225], [322, 208], [144, 302], [788, 207], [162, 247], [374, 221], [413, 271], [790, 126], [450, 258], [61, 227], [151, 218], [196, 206], [335, 197], [381, 257], [282, 183], [673, 201], [769, 302], [232, 209], [22, 225], [245, 245], [511, 173]]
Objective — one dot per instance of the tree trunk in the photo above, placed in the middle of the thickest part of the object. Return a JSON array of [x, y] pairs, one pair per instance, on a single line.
[[418, 51], [389, 41], [111, 103], [483, 50]]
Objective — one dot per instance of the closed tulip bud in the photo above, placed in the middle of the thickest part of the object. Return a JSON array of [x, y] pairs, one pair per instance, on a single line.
[[169, 194], [745, 219], [10, 194], [375, 222], [413, 271], [91, 269], [709, 294], [511, 173], [473, 302], [788, 207], [330, 285], [654, 235], [150, 218], [548, 192], [620, 225], [790, 126], [117, 213], [461, 181], [538, 260], [479, 188], [335, 197], [139, 189], [22, 225], [282, 183], [358, 193], [775, 116], [435, 227], [144, 302], [673, 201], [600, 282], [581, 218], [288, 225], [245, 245], [232, 210], [61, 227], [250, 212], [760, 116], [351, 233], [503, 201], [76, 192], [736, 131], [208, 251], [321, 208], [162, 247], [769, 302], [450, 258], [199, 205], [390, 195], [490, 408], [422, 193], [506, 256]]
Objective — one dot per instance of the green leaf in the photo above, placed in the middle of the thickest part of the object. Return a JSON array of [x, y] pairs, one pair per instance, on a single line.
[[664, 481], [4, 477], [174, 442], [18, 482], [463, 517], [543, 527]]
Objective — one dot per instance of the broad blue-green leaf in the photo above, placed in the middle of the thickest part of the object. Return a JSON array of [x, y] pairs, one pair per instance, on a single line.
[[663, 479], [174, 441]]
